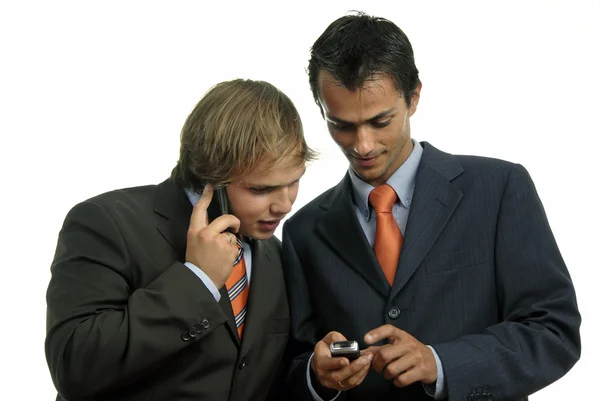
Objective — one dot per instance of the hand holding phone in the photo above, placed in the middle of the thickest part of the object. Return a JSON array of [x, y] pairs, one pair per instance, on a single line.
[[209, 247], [337, 363]]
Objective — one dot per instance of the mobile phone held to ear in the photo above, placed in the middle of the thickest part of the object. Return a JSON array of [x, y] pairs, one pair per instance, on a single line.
[[348, 349], [222, 199], [219, 204]]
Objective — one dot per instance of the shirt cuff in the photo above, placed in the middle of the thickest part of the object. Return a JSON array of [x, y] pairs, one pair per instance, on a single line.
[[205, 279], [436, 390], [313, 393]]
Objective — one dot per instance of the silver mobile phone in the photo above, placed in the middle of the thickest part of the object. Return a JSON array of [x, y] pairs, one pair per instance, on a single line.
[[348, 349]]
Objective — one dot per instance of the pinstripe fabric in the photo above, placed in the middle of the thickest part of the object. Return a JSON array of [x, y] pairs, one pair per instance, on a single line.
[[237, 289], [481, 280]]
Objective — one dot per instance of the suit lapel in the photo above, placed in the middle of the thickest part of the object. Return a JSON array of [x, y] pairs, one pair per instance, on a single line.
[[225, 304], [173, 209], [340, 228], [262, 283], [434, 202]]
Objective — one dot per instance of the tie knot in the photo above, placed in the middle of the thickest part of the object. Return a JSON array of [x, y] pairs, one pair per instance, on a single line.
[[240, 246], [383, 198]]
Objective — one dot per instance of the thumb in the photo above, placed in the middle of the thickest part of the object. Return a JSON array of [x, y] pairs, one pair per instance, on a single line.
[[333, 336]]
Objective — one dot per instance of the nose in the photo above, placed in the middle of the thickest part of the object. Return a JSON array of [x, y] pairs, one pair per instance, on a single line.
[[365, 142], [282, 204]]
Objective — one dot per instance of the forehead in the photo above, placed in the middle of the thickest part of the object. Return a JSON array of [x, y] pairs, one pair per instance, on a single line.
[[377, 94], [282, 171]]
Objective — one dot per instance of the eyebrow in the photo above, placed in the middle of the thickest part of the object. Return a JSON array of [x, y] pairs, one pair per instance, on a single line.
[[384, 113]]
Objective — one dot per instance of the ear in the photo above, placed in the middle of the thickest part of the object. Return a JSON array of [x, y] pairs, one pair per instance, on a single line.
[[414, 99]]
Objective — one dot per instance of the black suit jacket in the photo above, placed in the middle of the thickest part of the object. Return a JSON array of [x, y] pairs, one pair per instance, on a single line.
[[126, 320], [480, 278]]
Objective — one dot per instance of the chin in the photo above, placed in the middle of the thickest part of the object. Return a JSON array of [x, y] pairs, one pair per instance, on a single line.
[[367, 175], [260, 235]]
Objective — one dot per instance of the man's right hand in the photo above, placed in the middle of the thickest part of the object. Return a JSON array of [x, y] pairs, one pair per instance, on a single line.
[[338, 373], [208, 247]]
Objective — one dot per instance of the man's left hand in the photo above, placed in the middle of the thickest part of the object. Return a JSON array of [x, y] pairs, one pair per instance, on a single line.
[[405, 360]]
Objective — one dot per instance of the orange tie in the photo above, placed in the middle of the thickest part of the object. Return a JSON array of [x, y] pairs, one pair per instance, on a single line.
[[388, 238], [237, 289]]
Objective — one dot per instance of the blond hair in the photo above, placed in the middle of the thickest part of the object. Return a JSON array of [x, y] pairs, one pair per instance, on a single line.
[[235, 127]]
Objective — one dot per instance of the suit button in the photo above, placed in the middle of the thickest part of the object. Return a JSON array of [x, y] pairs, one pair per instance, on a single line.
[[243, 364], [205, 323], [394, 313], [193, 332], [185, 336]]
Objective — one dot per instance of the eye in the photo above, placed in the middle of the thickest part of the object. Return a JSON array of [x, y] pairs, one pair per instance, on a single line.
[[381, 124], [340, 126], [260, 190]]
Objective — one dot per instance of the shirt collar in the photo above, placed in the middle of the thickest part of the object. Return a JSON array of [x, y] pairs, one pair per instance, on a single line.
[[193, 196], [402, 181]]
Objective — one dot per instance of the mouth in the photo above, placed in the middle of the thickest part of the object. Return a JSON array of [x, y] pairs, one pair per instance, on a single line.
[[366, 161], [269, 225]]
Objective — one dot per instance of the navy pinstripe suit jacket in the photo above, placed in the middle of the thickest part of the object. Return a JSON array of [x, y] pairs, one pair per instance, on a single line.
[[480, 278]]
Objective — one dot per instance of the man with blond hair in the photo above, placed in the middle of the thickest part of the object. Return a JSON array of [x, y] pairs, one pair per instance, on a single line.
[[157, 292]]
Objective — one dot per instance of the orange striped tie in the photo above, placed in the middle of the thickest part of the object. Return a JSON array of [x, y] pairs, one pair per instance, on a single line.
[[388, 238], [237, 288]]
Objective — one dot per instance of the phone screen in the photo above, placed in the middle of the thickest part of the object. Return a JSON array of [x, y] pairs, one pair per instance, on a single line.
[[344, 344]]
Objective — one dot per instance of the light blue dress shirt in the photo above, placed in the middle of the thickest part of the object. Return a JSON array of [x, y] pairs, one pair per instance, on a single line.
[[403, 182], [194, 198]]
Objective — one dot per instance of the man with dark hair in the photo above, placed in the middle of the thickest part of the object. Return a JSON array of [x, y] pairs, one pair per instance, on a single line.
[[153, 296], [443, 268]]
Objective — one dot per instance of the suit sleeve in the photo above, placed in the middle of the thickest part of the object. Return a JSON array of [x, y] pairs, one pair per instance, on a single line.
[[304, 334], [102, 333], [538, 340]]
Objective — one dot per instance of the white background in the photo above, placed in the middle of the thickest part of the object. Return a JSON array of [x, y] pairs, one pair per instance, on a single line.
[[93, 96]]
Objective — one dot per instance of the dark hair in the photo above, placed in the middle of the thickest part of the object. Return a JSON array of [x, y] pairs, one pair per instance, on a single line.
[[236, 127], [355, 47]]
